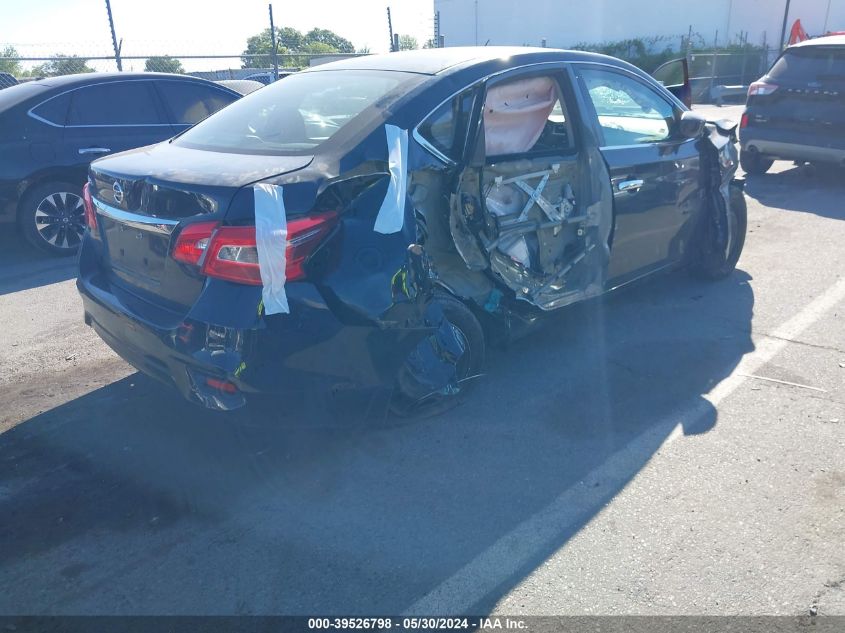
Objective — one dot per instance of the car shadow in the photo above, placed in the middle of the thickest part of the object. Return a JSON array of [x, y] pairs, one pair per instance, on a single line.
[[807, 189], [129, 500], [23, 267]]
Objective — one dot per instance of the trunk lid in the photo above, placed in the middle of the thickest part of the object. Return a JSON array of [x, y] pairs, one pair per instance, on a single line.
[[144, 197]]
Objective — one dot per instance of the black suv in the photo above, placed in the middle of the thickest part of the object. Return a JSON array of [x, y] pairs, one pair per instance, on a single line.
[[51, 129], [796, 111]]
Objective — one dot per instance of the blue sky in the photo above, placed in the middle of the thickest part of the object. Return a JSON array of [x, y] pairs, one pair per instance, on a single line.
[[148, 27]]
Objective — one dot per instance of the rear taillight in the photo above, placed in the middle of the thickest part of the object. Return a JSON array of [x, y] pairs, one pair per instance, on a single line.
[[233, 255], [230, 252], [304, 236], [193, 242], [90, 214], [761, 88], [743, 121]]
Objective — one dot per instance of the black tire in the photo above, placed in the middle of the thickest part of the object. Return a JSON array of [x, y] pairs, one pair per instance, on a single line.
[[52, 217], [469, 365], [713, 265], [753, 163]]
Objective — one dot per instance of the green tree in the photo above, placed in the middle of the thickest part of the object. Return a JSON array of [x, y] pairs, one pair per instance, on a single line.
[[289, 38], [408, 43], [289, 41], [324, 36], [62, 65], [7, 65], [163, 64], [319, 48]]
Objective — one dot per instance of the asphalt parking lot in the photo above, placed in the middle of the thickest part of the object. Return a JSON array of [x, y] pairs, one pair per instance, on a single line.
[[676, 448]]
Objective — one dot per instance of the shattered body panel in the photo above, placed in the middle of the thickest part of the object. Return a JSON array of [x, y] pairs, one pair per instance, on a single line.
[[532, 232], [721, 160], [471, 208]]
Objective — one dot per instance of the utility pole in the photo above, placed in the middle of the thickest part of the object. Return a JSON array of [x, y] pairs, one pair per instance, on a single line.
[[273, 44], [114, 38], [476, 23], [826, 17], [390, 30], [783, 30]]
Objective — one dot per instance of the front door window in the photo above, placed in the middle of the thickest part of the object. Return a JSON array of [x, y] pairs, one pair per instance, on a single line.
[[629, 112]]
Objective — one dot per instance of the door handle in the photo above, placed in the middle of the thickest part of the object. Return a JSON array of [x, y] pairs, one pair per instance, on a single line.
[[630, 185], [94, 150]]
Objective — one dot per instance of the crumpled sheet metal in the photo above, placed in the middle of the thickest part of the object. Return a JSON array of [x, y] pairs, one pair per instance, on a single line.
[[515, 114], [391, 215], [585, 273], [432, 365], [271, 233], [721, 136]]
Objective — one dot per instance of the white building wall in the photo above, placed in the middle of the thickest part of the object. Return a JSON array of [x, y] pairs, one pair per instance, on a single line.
[[566, 22]]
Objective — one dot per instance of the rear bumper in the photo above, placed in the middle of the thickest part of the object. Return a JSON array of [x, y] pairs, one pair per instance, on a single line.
[[791, 145], [306, 354], [155, 350]]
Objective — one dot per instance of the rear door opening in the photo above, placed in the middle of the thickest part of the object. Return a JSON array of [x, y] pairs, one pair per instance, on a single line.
[[519, 205]]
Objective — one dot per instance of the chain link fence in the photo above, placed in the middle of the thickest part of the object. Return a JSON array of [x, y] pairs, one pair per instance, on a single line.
[[717, 75], [260, 67]]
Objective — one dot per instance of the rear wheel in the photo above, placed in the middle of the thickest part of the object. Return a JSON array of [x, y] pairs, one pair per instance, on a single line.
[[407, 401], [753, 163], [52, 217], [712, 264]]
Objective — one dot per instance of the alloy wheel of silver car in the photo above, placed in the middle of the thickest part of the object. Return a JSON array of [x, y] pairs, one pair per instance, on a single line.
[[60, 219]]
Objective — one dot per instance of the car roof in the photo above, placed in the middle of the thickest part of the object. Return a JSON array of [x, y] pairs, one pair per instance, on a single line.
[[829, 40], [434, 61], [20, 93], [242, 86], [69, 81]]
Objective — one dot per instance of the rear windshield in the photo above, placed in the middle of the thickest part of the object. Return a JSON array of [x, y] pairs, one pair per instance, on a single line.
[[810, 63], [300, 112]]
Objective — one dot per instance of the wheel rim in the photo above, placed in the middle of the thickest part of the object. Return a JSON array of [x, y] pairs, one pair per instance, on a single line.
[[60, 220]]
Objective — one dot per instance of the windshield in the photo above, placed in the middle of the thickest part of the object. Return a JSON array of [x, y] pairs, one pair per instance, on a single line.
[[809, 63], [297, 113]]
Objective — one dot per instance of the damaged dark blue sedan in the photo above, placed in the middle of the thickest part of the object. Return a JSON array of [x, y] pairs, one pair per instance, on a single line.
[[373, 223]]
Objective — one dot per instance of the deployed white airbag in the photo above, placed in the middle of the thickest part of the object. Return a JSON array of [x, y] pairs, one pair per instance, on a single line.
[[391, 215], [271, 239], [515, 114]]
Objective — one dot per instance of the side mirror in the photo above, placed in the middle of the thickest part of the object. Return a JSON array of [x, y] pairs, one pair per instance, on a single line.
[[691, 124]]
